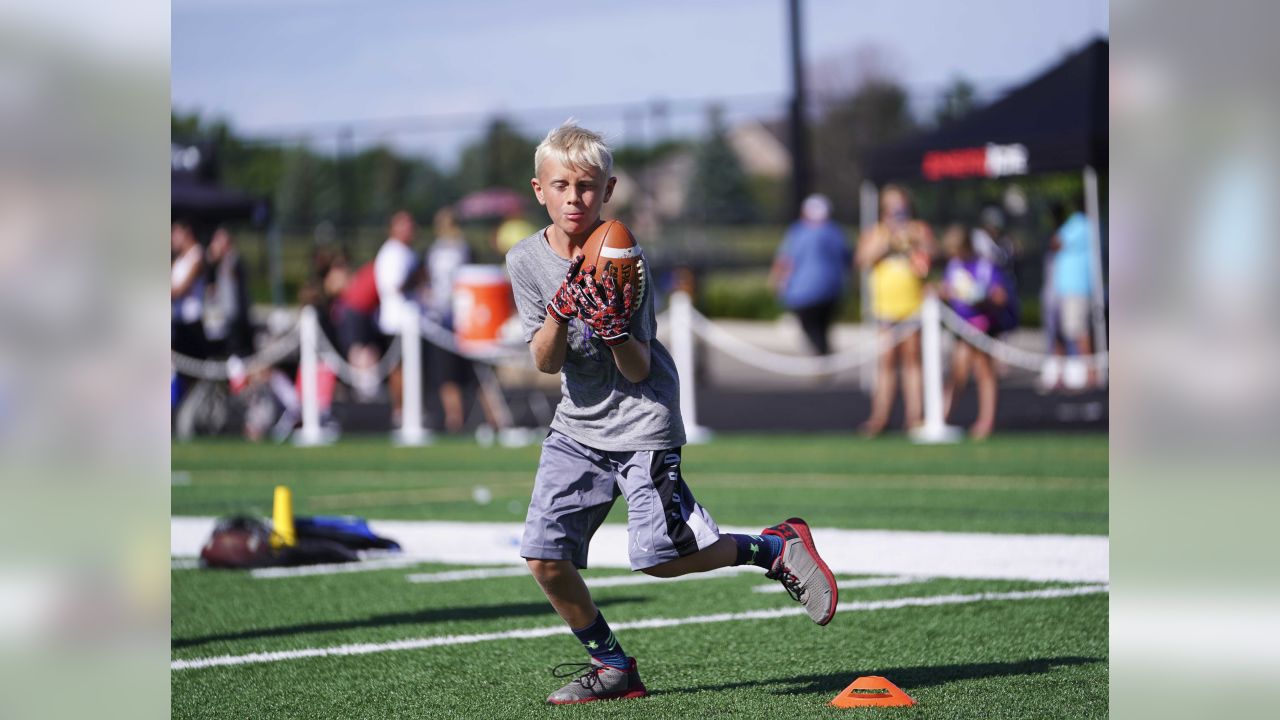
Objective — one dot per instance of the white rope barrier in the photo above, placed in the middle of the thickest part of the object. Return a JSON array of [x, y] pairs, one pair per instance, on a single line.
[[798, 365], [1003, 351], [278, 349], [492, 354], [356, 376]]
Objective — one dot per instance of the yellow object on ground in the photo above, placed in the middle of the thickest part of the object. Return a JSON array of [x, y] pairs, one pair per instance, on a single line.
[[282, 519]]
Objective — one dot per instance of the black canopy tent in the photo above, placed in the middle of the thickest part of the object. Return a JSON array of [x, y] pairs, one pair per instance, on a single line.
[[1055, 122], [1058, 119], [196, 196], [206, 204]]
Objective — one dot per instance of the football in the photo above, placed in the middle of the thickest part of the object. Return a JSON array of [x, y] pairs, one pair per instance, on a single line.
[[614, 251]]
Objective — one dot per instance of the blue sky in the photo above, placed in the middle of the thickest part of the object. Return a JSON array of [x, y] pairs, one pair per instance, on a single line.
[[289, 65]]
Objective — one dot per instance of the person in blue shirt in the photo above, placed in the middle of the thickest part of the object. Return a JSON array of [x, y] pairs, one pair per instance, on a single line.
[[1072, 282], [809, 270]]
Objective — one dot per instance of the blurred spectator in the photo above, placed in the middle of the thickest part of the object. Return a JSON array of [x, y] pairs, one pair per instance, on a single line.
[[1051, 374], [447, 253], [354, 312], [512, 230], [1072, 284], [808, 273], [992, 241], [186, 291], [979, 291], [226, 317], [398, 275], [896, 252]]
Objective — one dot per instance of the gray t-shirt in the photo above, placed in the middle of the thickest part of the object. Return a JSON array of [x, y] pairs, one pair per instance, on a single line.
[[598, 406]]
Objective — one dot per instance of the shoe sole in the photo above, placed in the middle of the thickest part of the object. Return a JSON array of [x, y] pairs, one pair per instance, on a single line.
[[802, 529], [637, 693]]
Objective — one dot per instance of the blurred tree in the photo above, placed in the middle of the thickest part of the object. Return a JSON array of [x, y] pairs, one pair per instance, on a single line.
[[501, 158], [252, 167], [308, 191], [636, 157], [719, 191], [957, 100], [875, 114]]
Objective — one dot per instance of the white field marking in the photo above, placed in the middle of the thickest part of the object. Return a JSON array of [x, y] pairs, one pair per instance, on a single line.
[[853, 584], [365, 565], [540, 632], [1040, 558], [477, 574], [184, 563]]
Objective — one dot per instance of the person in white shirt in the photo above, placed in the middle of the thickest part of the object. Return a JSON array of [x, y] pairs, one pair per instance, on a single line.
[[399, 275], [454, 372], [186, 291]]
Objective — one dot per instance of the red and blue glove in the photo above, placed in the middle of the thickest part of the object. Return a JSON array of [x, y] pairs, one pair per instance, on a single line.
[[602, 308], [562, 307]]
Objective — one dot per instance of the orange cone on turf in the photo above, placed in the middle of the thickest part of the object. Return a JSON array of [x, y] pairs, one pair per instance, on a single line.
[[886, 694]]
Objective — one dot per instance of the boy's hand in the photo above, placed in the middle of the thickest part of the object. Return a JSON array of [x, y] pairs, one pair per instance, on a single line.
[[602, 308], [562, 306]]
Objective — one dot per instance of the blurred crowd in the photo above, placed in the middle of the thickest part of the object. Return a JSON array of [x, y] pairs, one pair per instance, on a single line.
[[974, 270], [360, 310]]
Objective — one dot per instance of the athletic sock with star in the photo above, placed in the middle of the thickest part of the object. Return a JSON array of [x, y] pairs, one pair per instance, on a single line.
[[759, 550], [598, 639]]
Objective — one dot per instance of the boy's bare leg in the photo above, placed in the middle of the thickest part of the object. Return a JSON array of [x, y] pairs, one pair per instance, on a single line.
[[564, 587], [719, 554]]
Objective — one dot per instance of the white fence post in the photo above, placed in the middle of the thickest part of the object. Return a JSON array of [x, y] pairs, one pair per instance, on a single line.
[[411, 432], [682, 354], [935, 429], [310, 434]]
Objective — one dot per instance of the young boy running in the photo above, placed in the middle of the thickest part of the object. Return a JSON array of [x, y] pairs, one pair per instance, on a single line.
[[617, 430]]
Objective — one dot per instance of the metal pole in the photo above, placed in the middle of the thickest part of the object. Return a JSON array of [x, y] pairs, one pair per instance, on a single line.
[[800, 181], [682, 354], [868, 216], [1098, 293], [275, 264]]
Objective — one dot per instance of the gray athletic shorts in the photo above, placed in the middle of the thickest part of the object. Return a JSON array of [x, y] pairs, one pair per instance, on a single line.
[[576, 486]]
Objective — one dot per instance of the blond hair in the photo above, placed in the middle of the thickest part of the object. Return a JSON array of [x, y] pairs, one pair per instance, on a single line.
[[574, 146]]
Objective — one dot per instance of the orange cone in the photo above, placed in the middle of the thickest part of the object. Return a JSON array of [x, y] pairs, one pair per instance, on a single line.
[[887, 695]]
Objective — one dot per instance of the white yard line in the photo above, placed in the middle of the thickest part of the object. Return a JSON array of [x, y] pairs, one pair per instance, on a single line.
[[548, 631], [382, 563], [1042, 558], [477, 574], [853, 584]]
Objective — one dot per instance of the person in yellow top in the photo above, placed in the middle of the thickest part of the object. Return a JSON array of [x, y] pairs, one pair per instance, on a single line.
[[512, 230], [896, 254]]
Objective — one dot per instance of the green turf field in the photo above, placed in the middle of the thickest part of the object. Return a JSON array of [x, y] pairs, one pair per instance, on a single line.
[[1002, 656]]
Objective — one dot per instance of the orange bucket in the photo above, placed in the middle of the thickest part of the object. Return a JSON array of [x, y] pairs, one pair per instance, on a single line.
[[482, 303]]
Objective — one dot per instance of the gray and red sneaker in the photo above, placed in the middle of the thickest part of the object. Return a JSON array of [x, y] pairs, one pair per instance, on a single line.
[[802, 571], [598, 681]]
